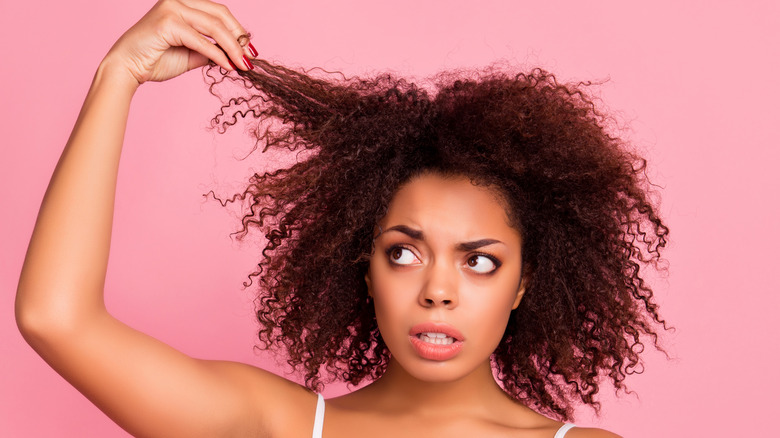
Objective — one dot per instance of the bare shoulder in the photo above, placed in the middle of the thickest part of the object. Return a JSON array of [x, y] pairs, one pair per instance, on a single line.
[[589, 432], [273, 396], [278, 407]]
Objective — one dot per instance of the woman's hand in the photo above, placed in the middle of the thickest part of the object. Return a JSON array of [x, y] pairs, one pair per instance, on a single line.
[[176, 36]]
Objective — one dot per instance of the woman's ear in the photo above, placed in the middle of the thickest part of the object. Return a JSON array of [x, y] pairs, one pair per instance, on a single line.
[[521, 290], [368, 284]]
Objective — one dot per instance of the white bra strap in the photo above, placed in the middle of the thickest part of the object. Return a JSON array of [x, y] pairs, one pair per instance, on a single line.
[[319, 417], [562, 431]]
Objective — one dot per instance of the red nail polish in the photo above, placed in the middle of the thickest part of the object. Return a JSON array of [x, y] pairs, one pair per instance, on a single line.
[[247, 63], [232, 65], [252, 50]]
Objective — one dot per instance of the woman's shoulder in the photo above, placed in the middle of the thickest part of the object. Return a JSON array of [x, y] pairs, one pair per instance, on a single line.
[[590, 432], [275, 404], [544, 426], [549, 427]]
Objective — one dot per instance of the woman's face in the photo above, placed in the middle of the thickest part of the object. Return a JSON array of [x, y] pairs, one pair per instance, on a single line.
[[444, 275]]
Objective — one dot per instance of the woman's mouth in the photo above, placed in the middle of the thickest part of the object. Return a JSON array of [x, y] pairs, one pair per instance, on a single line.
[[436, 341], [436, 338]]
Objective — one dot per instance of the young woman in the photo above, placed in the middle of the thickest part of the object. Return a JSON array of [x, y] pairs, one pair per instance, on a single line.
[[475, 254]]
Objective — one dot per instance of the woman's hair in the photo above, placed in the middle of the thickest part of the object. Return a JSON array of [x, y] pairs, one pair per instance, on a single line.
[[576, 192]]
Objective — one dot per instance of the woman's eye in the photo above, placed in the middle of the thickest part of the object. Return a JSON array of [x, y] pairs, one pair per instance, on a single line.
[[401, 256], [481, 264]]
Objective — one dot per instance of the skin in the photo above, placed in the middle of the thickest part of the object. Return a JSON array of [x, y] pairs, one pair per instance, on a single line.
[[431, 277], [152, 390]]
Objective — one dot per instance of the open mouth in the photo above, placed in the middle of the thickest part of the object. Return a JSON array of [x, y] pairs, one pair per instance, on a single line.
[[436, 333], [436, 341], [435, 338]]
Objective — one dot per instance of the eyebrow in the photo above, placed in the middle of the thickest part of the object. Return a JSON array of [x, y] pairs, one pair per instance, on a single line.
[[471, 246], [465, 246], [411, 232]]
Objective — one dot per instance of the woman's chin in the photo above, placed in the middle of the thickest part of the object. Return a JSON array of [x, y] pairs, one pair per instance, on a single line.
[[438, 371]]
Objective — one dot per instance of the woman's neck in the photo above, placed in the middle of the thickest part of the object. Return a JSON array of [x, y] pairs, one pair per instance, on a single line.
[[402, 392]]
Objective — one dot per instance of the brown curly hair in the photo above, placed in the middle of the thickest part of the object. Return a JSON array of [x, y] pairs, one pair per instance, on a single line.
[[577, 193]]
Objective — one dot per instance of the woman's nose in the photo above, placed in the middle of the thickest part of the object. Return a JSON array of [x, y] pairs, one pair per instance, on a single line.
[[440, 287]]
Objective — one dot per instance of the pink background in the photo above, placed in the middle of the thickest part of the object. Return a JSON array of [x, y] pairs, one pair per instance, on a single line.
[[696, 82]]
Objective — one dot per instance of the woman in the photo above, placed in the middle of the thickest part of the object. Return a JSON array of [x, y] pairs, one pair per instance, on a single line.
[[422, 243]]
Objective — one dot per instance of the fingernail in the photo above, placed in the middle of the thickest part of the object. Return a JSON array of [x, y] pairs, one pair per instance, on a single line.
[[247, 63], [252, 50], [232, 65]]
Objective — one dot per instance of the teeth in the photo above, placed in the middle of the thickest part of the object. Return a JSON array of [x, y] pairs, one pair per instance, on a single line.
[[436, 338]]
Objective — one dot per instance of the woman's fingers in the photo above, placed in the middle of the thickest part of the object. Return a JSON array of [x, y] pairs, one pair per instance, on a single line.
[[222, 12], [238, 31], [215, 28], [202, 50], [234, 28]]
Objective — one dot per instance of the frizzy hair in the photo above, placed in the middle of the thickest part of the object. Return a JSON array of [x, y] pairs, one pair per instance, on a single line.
[[577, 193]]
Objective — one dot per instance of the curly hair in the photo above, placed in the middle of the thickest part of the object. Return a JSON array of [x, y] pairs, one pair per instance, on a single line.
[[578, 194]]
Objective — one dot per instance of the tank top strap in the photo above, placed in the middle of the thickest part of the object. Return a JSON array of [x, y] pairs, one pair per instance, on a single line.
[[562, 431], [319, 417]]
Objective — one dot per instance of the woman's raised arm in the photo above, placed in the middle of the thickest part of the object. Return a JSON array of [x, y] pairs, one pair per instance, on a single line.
[[144, 385]]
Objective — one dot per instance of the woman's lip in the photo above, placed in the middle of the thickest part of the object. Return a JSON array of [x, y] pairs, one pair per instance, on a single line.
[[437, 327], [435, 352]]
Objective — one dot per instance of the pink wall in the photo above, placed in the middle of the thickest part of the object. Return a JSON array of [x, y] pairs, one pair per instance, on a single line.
[[697, 82]]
